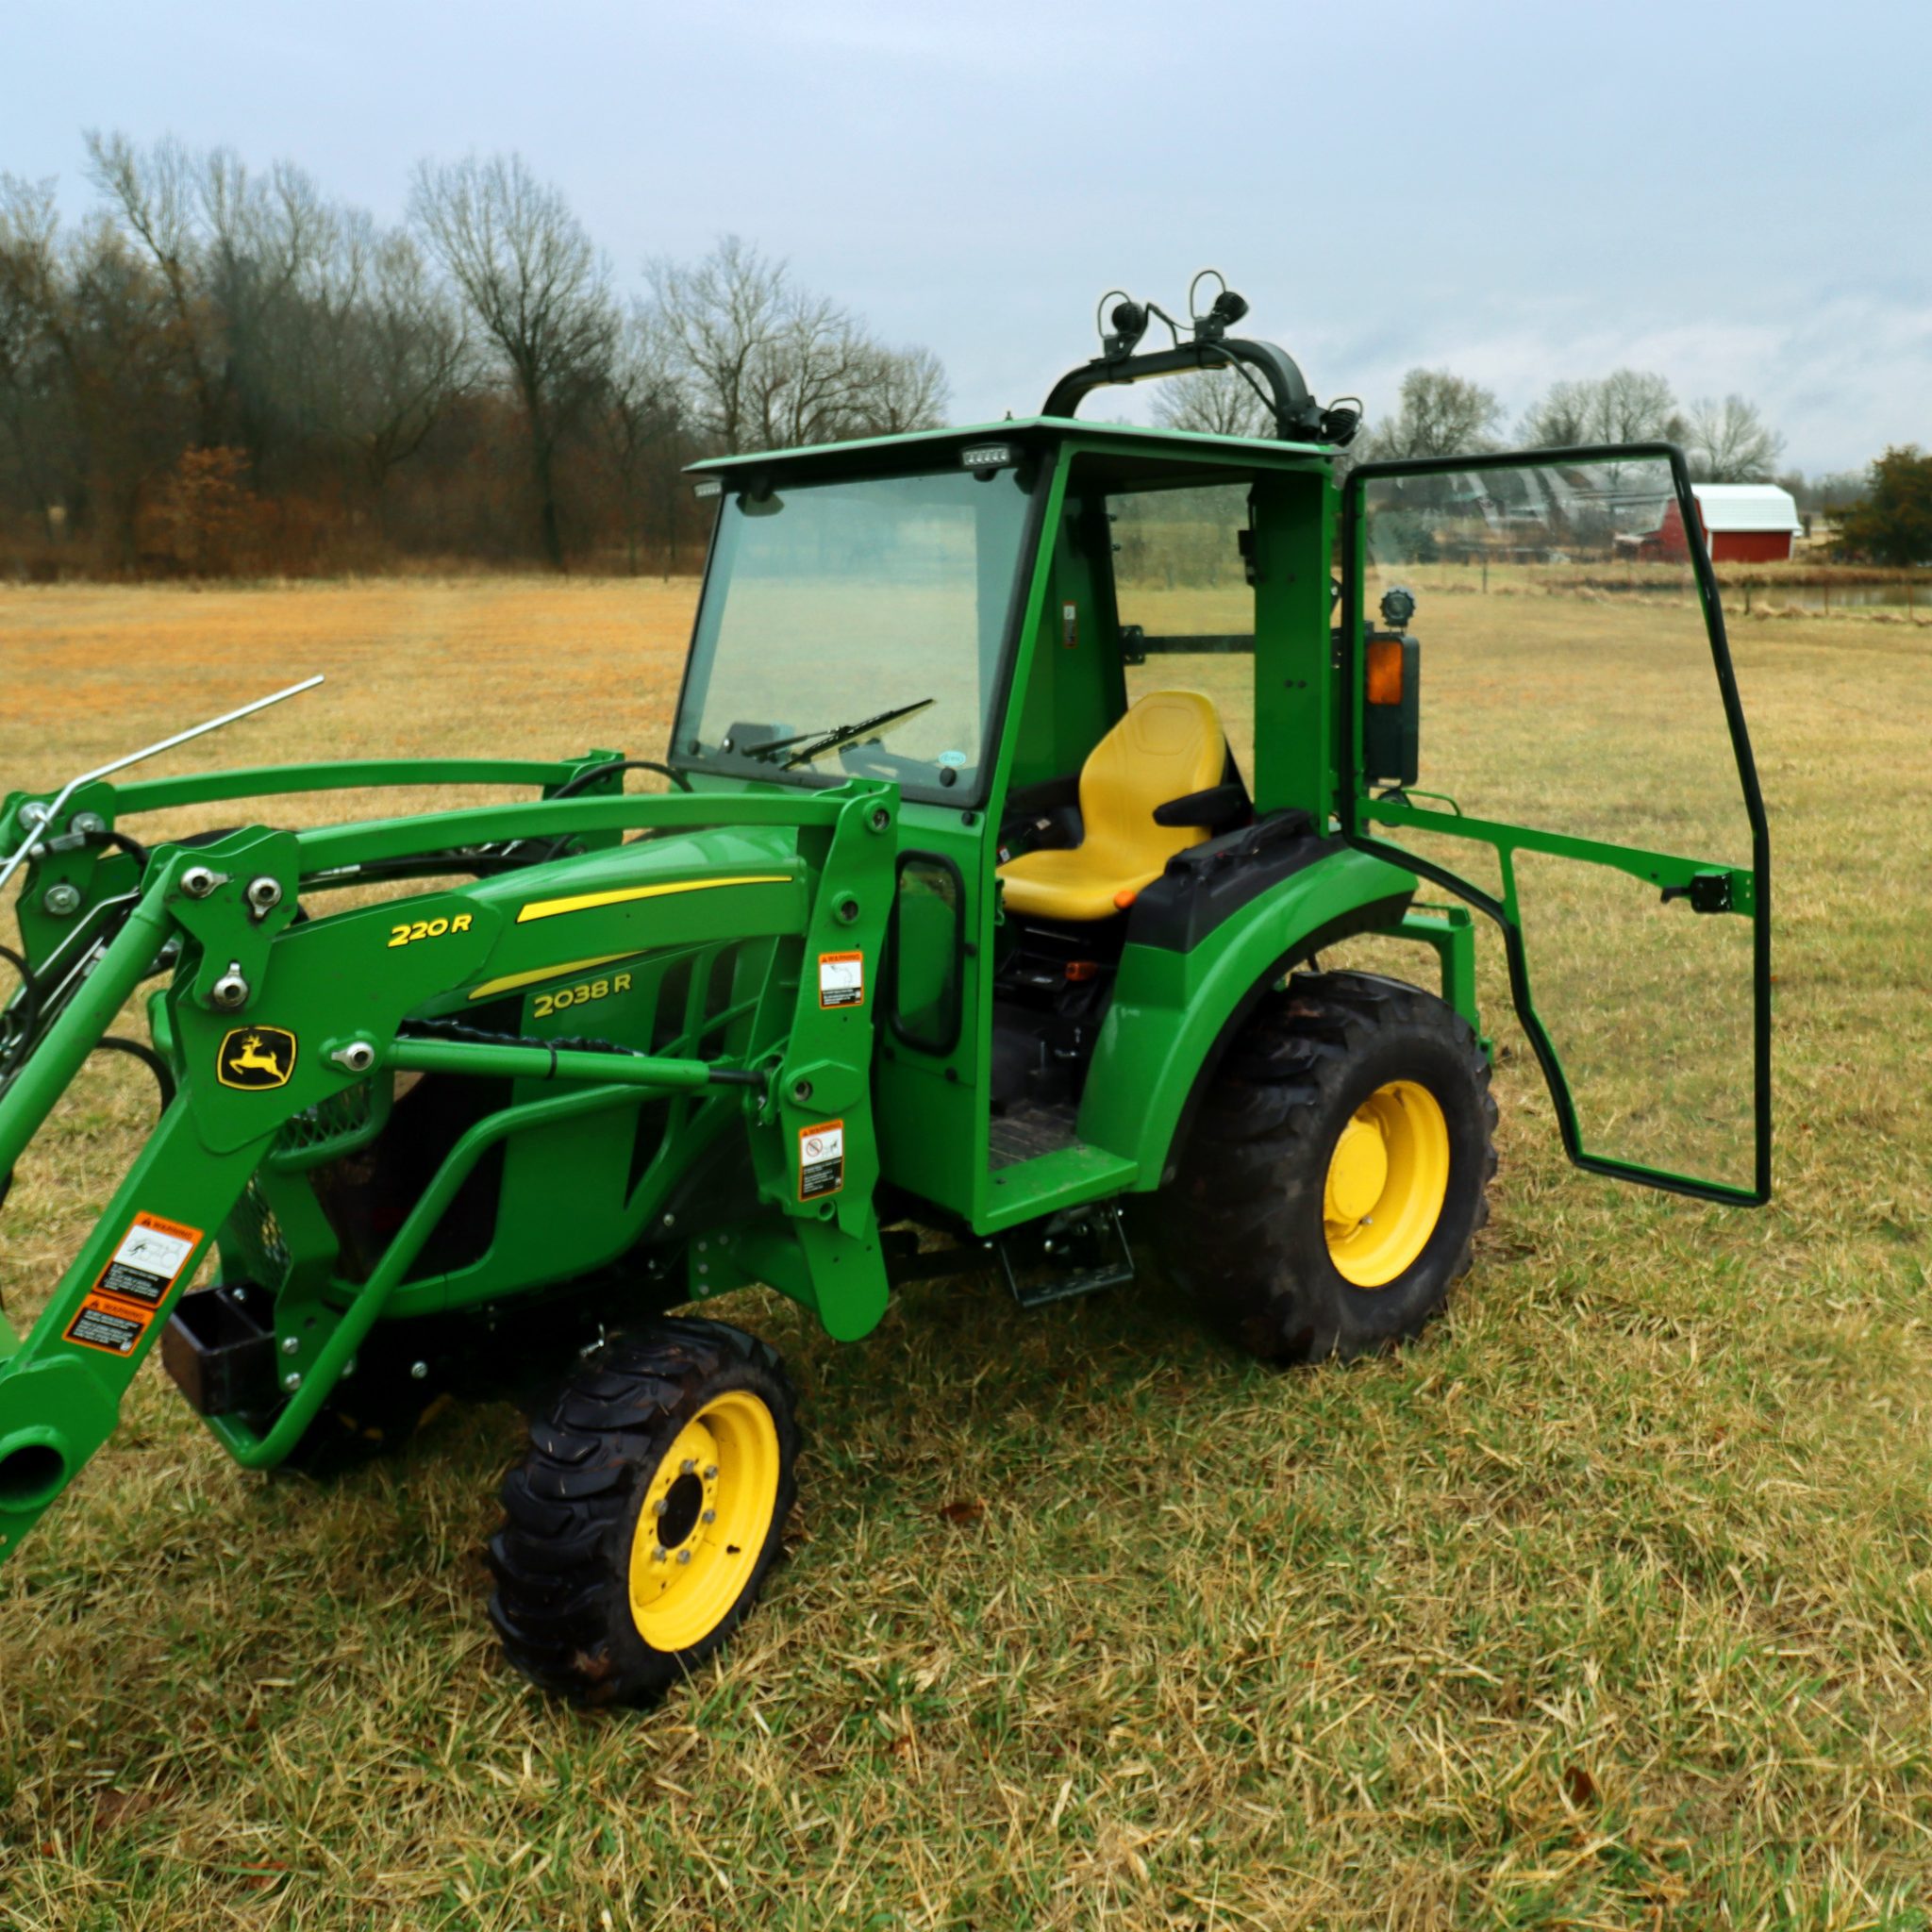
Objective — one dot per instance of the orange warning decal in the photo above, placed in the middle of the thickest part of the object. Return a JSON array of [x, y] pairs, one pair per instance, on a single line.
[[821, 1159], [113, 1328], [151, 1257], [149, 1261], [841, 979]]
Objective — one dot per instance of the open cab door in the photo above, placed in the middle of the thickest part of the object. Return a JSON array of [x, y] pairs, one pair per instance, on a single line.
[[1544, 721]]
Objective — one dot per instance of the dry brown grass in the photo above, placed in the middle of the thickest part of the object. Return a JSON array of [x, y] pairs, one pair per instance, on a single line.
[[523, 667], [1607, 1604]]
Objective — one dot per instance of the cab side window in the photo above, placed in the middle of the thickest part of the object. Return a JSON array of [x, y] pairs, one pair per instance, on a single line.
[[928, 935], [1186, 608]]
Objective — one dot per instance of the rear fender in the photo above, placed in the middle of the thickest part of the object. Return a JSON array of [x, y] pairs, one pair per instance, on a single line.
[[1173, 1012]]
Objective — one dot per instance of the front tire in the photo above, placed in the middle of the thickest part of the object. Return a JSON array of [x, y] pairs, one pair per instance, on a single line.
[[1337, 1171], [639, 1527]]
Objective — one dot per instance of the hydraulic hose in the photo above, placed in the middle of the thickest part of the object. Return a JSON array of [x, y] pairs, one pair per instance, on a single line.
[[80, 1028]]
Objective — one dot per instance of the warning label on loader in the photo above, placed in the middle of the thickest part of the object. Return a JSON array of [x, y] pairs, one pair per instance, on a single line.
[[821, 1159], [105, 1324], [841, 979], [150, 1259]]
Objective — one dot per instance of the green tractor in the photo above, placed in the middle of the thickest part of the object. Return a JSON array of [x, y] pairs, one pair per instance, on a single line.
[[1019, 776]]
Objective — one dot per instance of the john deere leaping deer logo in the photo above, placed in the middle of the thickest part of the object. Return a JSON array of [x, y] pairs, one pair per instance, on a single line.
[[257, 1058]]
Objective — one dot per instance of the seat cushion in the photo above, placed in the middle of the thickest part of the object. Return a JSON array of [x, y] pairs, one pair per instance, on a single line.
[[1168, 746], [1067, 885]]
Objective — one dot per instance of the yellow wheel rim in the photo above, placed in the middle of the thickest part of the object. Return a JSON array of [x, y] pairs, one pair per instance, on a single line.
[[1388, 1178], [706, 1516]]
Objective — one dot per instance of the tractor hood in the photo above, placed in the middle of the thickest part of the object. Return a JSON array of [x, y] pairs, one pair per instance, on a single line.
[[595, 910]]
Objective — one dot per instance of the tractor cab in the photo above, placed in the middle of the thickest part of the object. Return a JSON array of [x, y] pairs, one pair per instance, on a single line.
[[1074, 746]]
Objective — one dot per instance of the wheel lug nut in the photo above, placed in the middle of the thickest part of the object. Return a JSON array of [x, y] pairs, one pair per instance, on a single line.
[[686, 1467], [658, 1507], [709, 1516], [658, 1555], [710, 1471], [684, 1556]]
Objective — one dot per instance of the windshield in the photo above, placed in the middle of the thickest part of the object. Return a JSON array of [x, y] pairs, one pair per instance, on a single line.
[[881, 604]]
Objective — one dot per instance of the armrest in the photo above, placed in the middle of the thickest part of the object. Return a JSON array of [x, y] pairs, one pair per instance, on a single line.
[[1217, 809]]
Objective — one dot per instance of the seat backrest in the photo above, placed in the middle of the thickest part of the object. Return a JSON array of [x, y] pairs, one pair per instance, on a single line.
[[1169, 744]]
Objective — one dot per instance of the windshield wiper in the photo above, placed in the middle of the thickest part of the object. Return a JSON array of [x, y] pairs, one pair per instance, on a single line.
[[832, 740]]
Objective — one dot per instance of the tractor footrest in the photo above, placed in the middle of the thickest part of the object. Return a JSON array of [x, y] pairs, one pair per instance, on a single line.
[[1078, 1252], [218, 1355]]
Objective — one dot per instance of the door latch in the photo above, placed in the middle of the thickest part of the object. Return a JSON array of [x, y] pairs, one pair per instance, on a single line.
[[1708, 892]]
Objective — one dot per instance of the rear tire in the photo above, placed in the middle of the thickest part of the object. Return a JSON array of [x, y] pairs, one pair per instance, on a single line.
[[1336, 1173], [639, 1527]]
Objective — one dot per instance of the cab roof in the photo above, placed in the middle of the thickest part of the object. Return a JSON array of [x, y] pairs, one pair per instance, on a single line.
[[919, 448]]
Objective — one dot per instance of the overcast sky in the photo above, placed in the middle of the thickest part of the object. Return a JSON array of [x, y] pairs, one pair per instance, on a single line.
[[1734, 195]]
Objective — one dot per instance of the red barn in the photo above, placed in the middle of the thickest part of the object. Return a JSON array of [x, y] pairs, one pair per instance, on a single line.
[[1743, 523], [1747, 523]]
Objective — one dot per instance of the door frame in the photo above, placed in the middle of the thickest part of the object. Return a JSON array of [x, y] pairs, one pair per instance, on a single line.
[[1355, 809]]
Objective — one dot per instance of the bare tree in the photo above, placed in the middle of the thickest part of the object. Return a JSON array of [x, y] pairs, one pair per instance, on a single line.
[[1637, 406], [31, 389], [1731, 443], [1214, 402], [1439, 414], [539, 292], [387, 353], [641, 426], [221, 366], [1561, 417], [1829, 491], [904, 390], [99, 334], [416, 356], [270, 246], [154, 196], [1627, 406], [808, 380], [766, 364], [239, 255], [720, 317]]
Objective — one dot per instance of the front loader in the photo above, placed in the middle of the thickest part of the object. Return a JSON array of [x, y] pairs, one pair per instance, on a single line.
[[1019, 778]]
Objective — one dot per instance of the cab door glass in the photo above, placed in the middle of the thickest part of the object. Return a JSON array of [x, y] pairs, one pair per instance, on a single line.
[[1573, 753], [1566, 671]]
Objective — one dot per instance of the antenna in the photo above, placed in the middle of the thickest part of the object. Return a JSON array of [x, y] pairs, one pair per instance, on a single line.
[[43, 816]]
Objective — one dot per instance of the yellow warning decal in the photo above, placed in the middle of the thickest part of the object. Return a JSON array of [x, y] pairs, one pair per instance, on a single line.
[[585, 902]]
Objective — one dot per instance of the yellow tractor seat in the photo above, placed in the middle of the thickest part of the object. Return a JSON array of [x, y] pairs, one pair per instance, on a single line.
[[1168, 746]]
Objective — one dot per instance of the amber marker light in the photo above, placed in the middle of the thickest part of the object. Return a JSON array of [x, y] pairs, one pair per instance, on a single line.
[[1385, 670]]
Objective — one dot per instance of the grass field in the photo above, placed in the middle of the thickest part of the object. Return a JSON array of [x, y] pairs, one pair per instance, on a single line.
[[1607, 1604]]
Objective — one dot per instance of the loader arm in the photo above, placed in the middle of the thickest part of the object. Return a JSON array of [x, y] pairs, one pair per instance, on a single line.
[[272, 1027]]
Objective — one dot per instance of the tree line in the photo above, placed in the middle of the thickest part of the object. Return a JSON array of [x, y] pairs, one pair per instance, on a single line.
[[1439, 413], [219, 369]]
